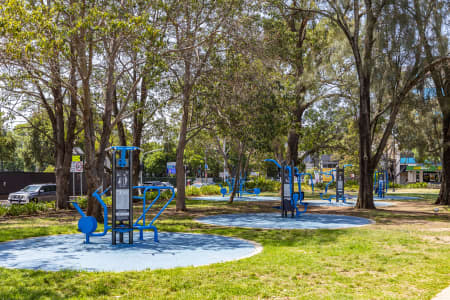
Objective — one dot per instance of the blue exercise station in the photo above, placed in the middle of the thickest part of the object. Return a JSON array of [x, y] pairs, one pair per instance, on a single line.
[[290, 200], [340, 181], [381, 183], [122, 202], [241, 188]]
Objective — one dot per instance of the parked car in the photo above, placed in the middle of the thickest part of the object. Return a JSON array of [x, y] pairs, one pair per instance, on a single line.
[[34, 193], [200, 184], [157, 183]]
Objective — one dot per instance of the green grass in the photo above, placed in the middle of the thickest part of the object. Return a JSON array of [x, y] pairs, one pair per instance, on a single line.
[[405, 255]]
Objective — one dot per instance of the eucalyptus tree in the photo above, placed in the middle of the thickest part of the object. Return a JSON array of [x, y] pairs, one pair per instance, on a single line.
[[102, 32], [7, 143], [421, 116], [432, 21], [37, 149], [388, 65], [192, 30], [38, 70], [147, 66], [244, 107], [298, 42]]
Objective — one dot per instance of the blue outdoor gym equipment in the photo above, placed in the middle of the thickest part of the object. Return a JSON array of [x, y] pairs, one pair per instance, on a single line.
[[380, 183], [299, 184], [329, 173], [241, 188], [122, 202], [339, 184], [290, 200]]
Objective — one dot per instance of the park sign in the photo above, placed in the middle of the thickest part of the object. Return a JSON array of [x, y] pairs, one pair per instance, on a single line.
[[77, 164], [171, 170]]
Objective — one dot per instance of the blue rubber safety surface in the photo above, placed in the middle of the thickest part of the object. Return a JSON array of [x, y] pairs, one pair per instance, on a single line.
[[341, 204], [60, 252], [275, 221], [388, 197], [277, 198], [246, 198]]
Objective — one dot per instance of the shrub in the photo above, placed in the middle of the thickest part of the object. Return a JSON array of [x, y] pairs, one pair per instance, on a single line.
[[25, 209], [264, 184], [351, 182], [165, 195], [417, 185], [192, 191], [210, 190], [396, 185]]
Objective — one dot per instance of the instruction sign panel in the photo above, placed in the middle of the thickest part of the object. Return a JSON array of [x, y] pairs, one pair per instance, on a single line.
[[339, 184], [76, 167]]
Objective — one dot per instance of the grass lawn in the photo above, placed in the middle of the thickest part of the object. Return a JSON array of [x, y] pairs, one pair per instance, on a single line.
[[404, 255]]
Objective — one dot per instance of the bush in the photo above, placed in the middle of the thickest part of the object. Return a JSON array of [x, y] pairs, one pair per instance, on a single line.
[[210, 190], [396, 185], [82, 201], [204, 190], [192, 191], [321, 185], [417, 185], [165, 195], [264, 184], [351, 182], [25, 209]]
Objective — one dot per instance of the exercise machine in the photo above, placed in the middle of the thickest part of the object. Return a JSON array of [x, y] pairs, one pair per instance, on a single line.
[[380, 183], [290, 200], [241, 188], [122, 202], [340, 184]]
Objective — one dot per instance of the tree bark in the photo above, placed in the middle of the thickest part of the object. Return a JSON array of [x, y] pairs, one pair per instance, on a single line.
[[366, 170], [292, 151], [444, 194], [179, 166], [120, 127], [63, 134], [138, 126], [237, 176]]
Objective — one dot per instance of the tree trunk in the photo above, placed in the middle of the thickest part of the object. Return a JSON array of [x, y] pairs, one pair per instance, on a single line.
[[120, 127], [292, 154], [366, 170], [92, 177], [237, 176], [179, 166], [138, 126], [444, 194]]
